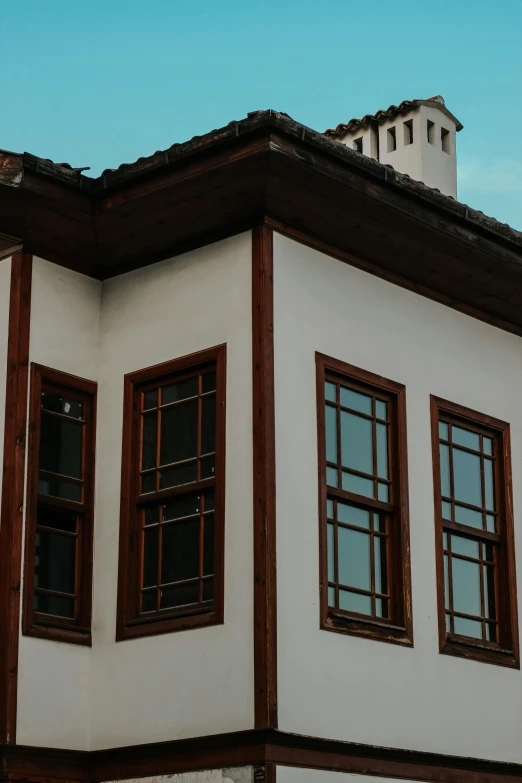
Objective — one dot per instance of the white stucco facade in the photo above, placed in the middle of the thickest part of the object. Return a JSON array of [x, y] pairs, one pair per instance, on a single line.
[[303, 775], [349, 688]]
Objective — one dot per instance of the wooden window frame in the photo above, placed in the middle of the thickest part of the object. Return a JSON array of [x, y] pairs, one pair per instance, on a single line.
[[398, 630], [130, 623], [506, 652], [37, 624]]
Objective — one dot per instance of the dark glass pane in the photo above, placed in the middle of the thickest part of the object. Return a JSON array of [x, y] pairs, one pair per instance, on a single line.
[[466, 477], [332, 477], [150, 437], [331, 434], [208, 590], [149, 601], [209, 499], [491, 630], [56, 518], [356, 401], [382, 450], [467, 516], [174, 477], [383, 492], [208, 382], [465, 627], [331, 566], [56, 605], [207, 467], [488, 485], [59, 404], [151, 516], [381, 409], [381, 607], [179, 596], [55, 562], [150, 399], [379, 522], [60, 489], [358, 485], [353, 553], [446, 510], [179, 391], [148, 482], [356, 442], [487, 446], [489, 553], [354, 602], [489, 592], [150, 557], [208, 545], [208, 424], [182, 506], [381, 582], [353, 515], [466, 586], [443, 430], [464, 546], [445, 471], [470, 440], [179, 432], [180, 551], [330, 391], [61, 446]]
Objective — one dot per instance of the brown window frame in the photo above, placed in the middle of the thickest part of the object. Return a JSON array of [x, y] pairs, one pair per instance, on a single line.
[[506, 651], [399, 628], [38, 624], [130, 623]]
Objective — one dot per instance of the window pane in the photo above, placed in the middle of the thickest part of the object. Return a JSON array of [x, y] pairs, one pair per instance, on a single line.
[[56, 518], [489, 593], [208, 467], [149, 601], [180, 551], [182, 506], [150, 557], [330, 537], [208, 382], [332, 477], [356, 442], [446, 510], [58, 404], [353, 515], [382, 450], [330, 390], [150, 399], [464, 546], [208, 590], [174, 477], [150, 431], [179, 432], [443, 430], [491, 630], [490, 523], [208, 545], [470, 440], [466, 477], [354, 602], [466, 586], [331, 596], [466, 516], [330, 509], [354, 558], [179, 596], [380, 409], [465, 627], [488, 484], [358, 485], [55, 562], [380, 565], [180, 390], [331, 434], [60, 489], [383, 492], [487, 446], [446, 583], [148, 482], [151, 515], [57, 605], [445, 471], [61, 446], [356, 401], [208, 424]]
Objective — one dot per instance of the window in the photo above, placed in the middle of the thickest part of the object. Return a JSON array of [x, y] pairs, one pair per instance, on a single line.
[[408, 132], [475, 557], [391, 139], [364, 534], [59, 525], [358, 144], [430, 131], [172, 513], [445, 140]]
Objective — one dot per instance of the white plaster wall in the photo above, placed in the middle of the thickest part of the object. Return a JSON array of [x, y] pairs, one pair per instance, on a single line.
[[199, 681], [369, 137], [5, 291], [227, 775], [348, 688], [301, 775], [53, 677]]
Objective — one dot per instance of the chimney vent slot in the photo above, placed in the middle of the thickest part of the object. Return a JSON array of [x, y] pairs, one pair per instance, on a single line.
[[358, 144], [408, 132], [445, 140], [431, 132], [391, 140]]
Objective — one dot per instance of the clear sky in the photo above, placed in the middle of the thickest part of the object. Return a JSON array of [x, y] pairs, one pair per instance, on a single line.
[[101, 82]]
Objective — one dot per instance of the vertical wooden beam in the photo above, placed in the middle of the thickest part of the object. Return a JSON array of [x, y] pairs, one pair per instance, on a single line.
[[11, 519], [265, 604]]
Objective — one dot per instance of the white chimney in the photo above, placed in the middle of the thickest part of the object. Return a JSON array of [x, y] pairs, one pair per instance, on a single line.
[[416, 138]]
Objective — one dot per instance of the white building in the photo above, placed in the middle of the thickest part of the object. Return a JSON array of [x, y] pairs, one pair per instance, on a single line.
[[261, 507]]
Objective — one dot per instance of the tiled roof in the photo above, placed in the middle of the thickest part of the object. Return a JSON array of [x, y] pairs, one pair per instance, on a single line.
[[390, 112]]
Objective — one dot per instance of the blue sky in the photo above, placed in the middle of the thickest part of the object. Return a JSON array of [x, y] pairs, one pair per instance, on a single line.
[[101, 82]]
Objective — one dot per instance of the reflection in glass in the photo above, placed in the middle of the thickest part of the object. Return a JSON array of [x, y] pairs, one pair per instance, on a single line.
[[179, 432], [61, 446], [331, 434], [354, 558], [445, 471], [356, 401], [353, 515], [466, 477], [488, 484], [467, 516], [466, 586], [355, 602], [461, 437], [356, 442], [330, 391], [181, 390], [381, 409], [382, 450], [150, 431], [358, 485], [331, 564], [465, 627]]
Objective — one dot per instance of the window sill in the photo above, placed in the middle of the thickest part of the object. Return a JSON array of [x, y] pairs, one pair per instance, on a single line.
[[42, 629], [367, 628], [476, 651], [135, 629]]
